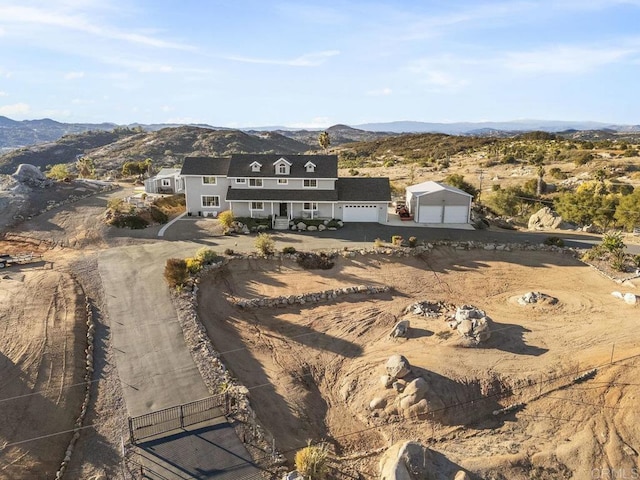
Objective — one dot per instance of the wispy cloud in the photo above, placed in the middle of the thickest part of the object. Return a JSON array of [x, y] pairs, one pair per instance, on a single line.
[[307, 60], [73, 75], [380, 92], [16, 109], [3, 94], [25, 15], [566, 59], [444, 73]]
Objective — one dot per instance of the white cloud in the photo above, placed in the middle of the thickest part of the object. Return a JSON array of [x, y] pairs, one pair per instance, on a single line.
[[565, 59], [3, 94], [443, 73], [307, 60], [314, 123], [78, 22], [380, 92], [18, 109], [73, 75]]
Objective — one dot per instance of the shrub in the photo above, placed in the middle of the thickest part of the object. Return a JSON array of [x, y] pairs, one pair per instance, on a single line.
[[314, 261], [289, 250], [413, 241], [133, 222], [157, 215], [265, 245], [313, 461], [636, 261], [396, 240], [378, 242], [115, 203], [206, 256], [612, 241], [618, 260], [175, 272], [557, 241], [193, 265], [226, 219], [229, 252]]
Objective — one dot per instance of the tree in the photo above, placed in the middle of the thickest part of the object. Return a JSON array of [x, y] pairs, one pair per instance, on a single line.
[[585, 207], [628, 210], [324, 140], [458, 181], [540, 185]]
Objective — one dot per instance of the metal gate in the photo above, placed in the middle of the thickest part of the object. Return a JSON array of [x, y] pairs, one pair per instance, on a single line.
[[177, 417]]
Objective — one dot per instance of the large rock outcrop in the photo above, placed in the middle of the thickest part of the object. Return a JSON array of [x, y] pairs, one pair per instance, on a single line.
[[31, 176], [546, 219]]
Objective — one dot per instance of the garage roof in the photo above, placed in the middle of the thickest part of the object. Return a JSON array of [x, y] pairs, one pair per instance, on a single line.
[[431, 187], [364, 189]]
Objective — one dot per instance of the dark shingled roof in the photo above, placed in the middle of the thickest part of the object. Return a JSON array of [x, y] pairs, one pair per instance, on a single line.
[[266, 194], [326, 165], [205, 166], [364, 189]]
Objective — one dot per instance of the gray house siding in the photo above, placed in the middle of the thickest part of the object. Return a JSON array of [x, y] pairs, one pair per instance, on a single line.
[[196, 190]]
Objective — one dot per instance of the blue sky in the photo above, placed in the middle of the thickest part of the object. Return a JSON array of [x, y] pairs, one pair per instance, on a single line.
[[241, 63]]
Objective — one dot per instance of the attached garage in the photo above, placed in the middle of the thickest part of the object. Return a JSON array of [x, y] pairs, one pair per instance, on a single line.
[[360, 213], [437, 203]]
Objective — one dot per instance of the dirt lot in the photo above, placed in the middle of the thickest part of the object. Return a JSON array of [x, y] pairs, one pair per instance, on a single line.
[[313, 369], [42, 342]]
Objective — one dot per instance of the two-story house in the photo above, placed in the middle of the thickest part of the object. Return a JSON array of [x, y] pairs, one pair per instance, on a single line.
[[282, 187]]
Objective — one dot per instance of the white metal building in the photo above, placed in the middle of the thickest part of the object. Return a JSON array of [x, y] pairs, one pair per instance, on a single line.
[[437, 203]]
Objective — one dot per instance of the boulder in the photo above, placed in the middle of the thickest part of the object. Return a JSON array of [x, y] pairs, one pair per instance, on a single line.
[[398, 366], [377, 403], [546, 219], [462, 475], [401, 329], [407, 461], [537, 297], [301, 226], [630, 298], [31, 175]]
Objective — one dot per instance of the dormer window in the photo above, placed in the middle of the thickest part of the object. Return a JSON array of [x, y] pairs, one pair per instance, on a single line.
[[255, 166], [282, 166], [310, 167]]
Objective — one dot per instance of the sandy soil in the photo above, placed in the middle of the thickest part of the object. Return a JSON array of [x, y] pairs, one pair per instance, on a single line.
[[313, 369], [42, 342]]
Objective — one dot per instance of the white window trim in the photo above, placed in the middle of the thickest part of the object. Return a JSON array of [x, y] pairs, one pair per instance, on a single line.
[[217, 197], [313, 204], [166, 182], [256, 209], [241, 180], [255, 166], [310, 166], [215, 180], [310, 180], [256, 186], [282, 169], [283, 181]]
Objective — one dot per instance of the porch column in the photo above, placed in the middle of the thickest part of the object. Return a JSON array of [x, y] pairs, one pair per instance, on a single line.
[[333, 210], [290, 210]]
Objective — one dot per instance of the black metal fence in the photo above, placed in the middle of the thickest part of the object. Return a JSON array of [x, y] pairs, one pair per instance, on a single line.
[[180, 416]]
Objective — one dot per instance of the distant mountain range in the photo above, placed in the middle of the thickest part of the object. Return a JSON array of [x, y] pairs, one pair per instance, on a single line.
[[483, 128], [16, 134]]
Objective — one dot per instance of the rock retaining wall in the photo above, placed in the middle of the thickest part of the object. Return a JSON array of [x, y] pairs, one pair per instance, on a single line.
[[87, 396]]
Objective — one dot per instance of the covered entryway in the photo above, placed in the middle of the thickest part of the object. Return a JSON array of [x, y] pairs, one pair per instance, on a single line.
[[360, 213]]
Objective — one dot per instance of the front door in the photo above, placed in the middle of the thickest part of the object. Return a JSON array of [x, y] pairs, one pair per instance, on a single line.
[[283, 209]]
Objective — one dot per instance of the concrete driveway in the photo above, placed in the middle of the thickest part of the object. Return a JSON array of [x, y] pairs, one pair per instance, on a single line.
[[154, 364]]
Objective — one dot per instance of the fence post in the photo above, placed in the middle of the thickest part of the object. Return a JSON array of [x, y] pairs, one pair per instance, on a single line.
[[131, 436], [181, 417]]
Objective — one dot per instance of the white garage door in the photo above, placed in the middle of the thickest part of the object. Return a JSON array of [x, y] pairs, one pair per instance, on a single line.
[[455, 214], [430, 214], [360, 213]]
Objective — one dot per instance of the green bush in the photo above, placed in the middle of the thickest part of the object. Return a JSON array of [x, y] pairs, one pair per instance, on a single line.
[[175, 272], [289, 250], [612, 241], [618, 260], [413, 241], [636, 261], [229, 252], [193, 265]]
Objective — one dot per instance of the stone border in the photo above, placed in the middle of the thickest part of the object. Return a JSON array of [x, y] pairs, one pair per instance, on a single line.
[[314, 297], [87, 396]]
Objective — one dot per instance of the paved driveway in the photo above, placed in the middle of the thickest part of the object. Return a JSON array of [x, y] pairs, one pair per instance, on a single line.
[[154, 364]]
